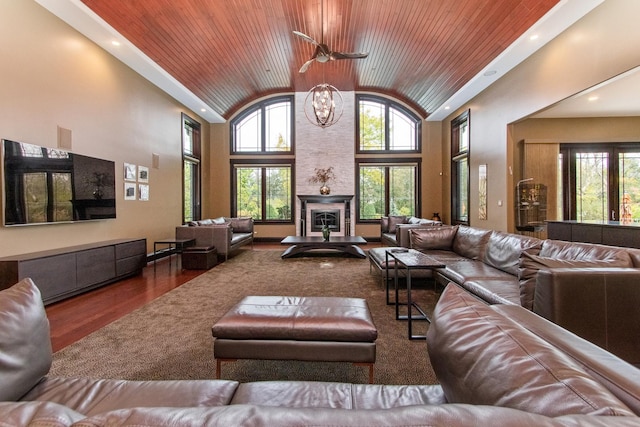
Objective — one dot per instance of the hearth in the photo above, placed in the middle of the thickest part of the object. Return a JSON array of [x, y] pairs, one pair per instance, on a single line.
[[322, 217]]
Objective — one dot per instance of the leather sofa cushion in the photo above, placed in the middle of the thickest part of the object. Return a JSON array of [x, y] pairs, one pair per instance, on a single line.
[[503, 250], [37, 414], [470, 241], [530, 265], [395, 220], [25, 344], [254, 415], [436, 238], [482, 358], [315, 394], [93, 396], [241, 224], [494, 291], [586, 252]]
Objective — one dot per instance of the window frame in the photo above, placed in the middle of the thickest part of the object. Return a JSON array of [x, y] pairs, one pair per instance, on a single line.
[[194, 158], [262, 106], [387, 163], [388, 104], [458, 156], [263, 164]]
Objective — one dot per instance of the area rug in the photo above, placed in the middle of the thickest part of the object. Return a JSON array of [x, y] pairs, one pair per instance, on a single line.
[[170, 337]]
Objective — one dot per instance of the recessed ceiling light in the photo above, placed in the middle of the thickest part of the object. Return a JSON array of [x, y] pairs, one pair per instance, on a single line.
[[593, 98], [447, 107], [534, 37], [203, 110], [115, 43], [489, 73]]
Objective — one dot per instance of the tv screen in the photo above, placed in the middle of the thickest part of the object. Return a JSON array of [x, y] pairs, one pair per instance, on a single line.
[[46, 185]]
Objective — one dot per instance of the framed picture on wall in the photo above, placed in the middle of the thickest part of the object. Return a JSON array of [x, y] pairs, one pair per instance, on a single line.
[[129, 190], [482, 192], [143, 174], [143, 192], [130, 172]]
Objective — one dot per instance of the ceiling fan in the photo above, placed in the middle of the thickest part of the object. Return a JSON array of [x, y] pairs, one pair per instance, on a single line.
[[323, 54]]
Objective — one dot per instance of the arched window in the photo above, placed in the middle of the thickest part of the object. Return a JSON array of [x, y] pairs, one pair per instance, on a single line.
[[385, 126]]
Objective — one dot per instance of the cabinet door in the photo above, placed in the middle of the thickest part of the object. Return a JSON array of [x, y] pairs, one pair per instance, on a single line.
[[54, 275], [129, 249], [95, 266]]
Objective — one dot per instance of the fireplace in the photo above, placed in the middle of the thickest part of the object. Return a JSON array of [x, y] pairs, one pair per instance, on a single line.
[[315, 208], [329, 217]]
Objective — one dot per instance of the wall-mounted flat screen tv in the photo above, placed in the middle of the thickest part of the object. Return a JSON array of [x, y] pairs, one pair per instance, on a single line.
[[46, 185]]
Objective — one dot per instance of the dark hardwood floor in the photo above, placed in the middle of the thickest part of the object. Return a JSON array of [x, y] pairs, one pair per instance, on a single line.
[[76, 317]]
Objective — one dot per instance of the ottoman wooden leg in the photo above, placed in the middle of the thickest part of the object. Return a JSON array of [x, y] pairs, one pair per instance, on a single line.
[[219, 367], [370, 365]]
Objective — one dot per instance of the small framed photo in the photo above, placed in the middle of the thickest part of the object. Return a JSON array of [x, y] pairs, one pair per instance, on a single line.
[[129, 190], [144, 192], [143, 174], [130, 172]]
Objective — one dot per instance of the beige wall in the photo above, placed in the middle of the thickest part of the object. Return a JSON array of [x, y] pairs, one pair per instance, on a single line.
[[593, 50], [53, 76]]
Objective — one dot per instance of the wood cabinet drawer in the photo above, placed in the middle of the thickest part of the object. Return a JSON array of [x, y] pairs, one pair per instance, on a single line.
[[129, 249]]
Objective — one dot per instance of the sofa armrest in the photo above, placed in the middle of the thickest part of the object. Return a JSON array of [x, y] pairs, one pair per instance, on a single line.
[[597, 304]]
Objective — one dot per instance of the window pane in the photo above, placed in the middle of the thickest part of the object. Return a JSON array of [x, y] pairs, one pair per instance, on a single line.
[[62, 206], [278, 126], [249, 192], [402, 131], [187, 139], [402, 189], [629, 187], [188, 190], [592, 189], [463, 143], [371, 192], [462, 192], [278, 186], [372, 125], [247, 133]]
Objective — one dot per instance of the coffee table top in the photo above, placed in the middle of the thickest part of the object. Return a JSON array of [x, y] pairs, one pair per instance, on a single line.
[[297, 240]]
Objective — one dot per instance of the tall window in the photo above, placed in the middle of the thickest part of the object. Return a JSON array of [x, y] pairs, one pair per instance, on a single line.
[[263, 191], [266, 127], [386, 126], [460, 169], [389, 185], [191, 153], [601, 182], [387, 189], [262, 186]]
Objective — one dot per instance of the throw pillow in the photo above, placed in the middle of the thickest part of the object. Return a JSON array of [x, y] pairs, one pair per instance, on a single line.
[[434, 238], [241, 224], [219, 220], [470, 242], [481, 357], [25, 344], [529, 265], [394, 220], [205, 222]]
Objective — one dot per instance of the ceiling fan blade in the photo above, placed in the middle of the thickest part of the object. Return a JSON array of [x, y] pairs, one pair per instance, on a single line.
[[305, 37], [306, 65], [348, 55]]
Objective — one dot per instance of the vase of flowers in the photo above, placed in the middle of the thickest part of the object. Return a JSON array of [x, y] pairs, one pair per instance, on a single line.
[[323, 176]]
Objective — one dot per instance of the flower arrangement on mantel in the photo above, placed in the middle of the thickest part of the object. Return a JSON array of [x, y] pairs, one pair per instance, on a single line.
[[323, 176]]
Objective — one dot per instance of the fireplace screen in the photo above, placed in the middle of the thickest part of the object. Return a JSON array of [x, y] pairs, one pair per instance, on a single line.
[[321, 217]]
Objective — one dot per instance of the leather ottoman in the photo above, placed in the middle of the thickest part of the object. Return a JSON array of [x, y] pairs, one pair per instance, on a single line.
[[199, 257], [327, 329]]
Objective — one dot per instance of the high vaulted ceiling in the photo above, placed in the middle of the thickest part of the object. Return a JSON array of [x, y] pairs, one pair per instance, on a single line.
[[230, 52]]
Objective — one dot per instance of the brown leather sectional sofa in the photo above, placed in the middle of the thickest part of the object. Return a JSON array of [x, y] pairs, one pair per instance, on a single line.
[[496, 365], [592, 290], [225, 234]]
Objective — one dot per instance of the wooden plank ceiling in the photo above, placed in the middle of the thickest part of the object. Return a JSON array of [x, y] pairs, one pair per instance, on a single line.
[[230, 52]]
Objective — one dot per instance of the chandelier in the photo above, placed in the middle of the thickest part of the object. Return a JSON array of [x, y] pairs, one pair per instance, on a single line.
[[323, 105]]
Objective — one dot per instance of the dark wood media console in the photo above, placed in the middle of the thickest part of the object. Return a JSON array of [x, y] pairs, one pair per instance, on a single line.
[[64, 272]]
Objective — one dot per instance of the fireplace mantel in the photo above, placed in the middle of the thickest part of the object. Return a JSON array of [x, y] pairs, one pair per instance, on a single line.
[[318, 198]]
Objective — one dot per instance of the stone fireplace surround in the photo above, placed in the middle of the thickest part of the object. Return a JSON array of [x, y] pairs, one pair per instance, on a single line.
[[341, 203]]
